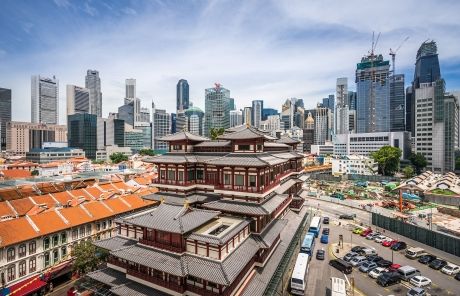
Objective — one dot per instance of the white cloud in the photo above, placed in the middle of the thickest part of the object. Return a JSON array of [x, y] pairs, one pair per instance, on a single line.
[[91, 10], [62, 3], [129, 11]]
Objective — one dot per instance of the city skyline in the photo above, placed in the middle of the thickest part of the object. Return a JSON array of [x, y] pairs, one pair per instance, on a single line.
[[294, 57]]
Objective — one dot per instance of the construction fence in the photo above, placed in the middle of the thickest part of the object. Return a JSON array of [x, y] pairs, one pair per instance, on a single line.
[[352, 177], [440, 241]]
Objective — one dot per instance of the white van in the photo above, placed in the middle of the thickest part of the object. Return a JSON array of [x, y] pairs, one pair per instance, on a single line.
[[407, 272], [413, 253]]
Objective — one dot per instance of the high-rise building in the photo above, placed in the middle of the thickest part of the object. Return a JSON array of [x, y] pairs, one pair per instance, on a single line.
[[373, 94], [5, 114], [82, 133], [45, 100], [341, 124], [272, 124], [309, 132], [351, 100], [257, 108], [292, 113], [93, 83], [397, 103], [236, 118], [134, 138], [130, 85], [323, 124], [181, 121], [161, 126], [217, 108], [78, 100], [110, 132], [329, 102], [195, 120], [409, 109], [451, 130], [247, 115], [21, 137], [232, 104], [269, 111], [182, 95], [173, 123]]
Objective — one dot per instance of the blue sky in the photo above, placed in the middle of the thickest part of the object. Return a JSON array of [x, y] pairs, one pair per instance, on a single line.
[[258, 49]]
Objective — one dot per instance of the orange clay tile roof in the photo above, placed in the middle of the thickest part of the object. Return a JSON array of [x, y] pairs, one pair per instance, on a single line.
[[27, 190], [10, 229], [5, 209], [77, 193], [44, 199], [147, 191], [117, 205], [76, 216], [49, 222], [94, 192], [16, 174], [98, 210], [22, 205], [23, 164], [136, 201], [122, 185], [9, 194], [48, 187], [142, 180], [62, 197], [51, 164], [108, 187]]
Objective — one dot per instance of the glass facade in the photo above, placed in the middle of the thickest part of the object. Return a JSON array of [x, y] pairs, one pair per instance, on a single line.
[[82, 133], [397, 104], [217, 108], [5, 113], [182, 94]]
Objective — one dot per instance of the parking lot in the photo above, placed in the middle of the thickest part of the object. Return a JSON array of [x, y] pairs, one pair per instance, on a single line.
[[320, 272]]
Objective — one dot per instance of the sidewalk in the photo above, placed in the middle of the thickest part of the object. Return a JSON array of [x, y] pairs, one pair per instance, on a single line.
[[342, 250]]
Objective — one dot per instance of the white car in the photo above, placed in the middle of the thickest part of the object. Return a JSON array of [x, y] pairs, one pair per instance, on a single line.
[[420, 281], [380, 238], [450, 269], [374, 273]]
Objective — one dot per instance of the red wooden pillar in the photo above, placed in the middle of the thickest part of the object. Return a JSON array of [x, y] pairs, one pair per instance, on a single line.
[[247, 178], [257, 181], [233, 178]]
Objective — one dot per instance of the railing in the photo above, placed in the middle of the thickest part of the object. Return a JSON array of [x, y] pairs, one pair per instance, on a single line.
[[173, 248], [160, 282], [251, 189], [201, 290], [117, 262], [262, 258]]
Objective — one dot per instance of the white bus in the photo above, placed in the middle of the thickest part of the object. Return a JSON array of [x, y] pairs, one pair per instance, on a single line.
[[315, 226], [338, 287], [299, 275]]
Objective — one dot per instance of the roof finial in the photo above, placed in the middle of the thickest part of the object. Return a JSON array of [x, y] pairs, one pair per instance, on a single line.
[[162, 199], [186, 203]]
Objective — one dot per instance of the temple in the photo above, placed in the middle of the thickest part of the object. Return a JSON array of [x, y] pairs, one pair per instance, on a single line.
[[222, 208]]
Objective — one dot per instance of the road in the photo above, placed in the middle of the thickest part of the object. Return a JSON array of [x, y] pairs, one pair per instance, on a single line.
[[320, 272]]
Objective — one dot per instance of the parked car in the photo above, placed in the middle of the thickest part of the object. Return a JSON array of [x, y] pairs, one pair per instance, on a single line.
[[320, 254], [379, 239], [438, 264], [374, 273], [384, 263], [388, 278], [457, 276], [394, 267], [407, 272], [414, 253], [366, 232], [341, 265], [374, 258], [367, 252], [367, 266], [399, 246], [357, 249], [324, 239], [358, 230], [420, 281], [326, 220], [357, 261], [347, 216], [416, 292], [426, 259], [326, 231], [349, 256], [450, 269], [372, 235], [387, 242]]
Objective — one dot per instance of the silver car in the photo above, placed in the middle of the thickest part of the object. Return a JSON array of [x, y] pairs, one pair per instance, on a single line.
[[349, 256], [367, 266]]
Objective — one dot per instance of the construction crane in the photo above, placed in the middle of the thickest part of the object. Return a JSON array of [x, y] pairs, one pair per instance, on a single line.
[[374, 43], [393, 53]]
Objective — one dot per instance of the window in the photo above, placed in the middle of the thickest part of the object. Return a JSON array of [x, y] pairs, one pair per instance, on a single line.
[[171, 175], [74, 234], [98, 227], [63, 252], [55, 240], [252, 180], [227, 179], [104, 225], [88, 229], [180, 176], [199, 174], [243, 147], [239, 180], [82, 231], [55, 256], [63, 238], [22, 268], [46, 261], [22, 251], [32, 264], [46, 243], [10, 254], [11, 272], [162, 174], [32, 247]]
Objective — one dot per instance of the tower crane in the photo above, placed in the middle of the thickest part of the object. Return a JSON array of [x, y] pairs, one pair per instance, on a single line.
[[374, 43], [393, 53]]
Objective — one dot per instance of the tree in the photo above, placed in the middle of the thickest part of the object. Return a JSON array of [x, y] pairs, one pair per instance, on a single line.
[[35, 173], [418, 161], [387, 159], [216, 132], [118, 157], [87, 257], [148, 152], [408, 172]]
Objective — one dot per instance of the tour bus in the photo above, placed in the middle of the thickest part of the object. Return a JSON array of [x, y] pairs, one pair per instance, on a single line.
[[308, 244], [338, 287], [315, 226], [299, 275]]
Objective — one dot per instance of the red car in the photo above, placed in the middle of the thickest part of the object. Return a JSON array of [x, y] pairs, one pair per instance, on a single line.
[[389, 243], [394, 267], [366, 232]]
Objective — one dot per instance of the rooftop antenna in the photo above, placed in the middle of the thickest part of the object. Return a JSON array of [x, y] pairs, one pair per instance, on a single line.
[[393, 53]]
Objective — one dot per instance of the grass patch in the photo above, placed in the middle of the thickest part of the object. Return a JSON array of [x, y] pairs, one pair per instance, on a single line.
[[442, 191]]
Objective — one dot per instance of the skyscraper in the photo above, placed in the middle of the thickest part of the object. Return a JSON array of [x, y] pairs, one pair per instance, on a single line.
[[267, 112], [351, 100], [130, 85], [292, 113], [217, 108], [130, 112], [323, 124], [329, 102], [78, 100], [5, 114], [161, 126], [82, 133], [93, 83], [341, 125], [232, 104], [45, 99], [195, 120], [236, 118], [309, 132], [257, 107], [373, 94], [182, 95], [247, 115], [397, 104]]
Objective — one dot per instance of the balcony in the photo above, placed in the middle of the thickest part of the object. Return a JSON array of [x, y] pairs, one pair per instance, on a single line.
[[117, 262], [177, 287], [170, 247], [201, 291]]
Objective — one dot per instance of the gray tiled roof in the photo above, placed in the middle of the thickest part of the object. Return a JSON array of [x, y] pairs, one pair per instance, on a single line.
[[270, 232], [287, 140], [114, 243], [135, 289], [108, 276], [287, 155], [274, 144], [240, 159], [178, 199], [243, 132], [167, 158], [154, 258], [271, 160], [213, 144], [174, 218], [248, 208], [286, 185], [219, 240], [183, 135], [271, 203]]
